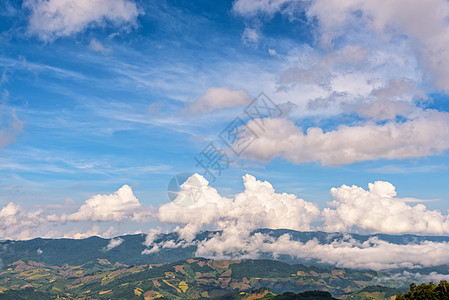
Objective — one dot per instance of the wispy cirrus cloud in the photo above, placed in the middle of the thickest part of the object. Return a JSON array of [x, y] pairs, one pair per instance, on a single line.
[[252, 7], [54, 19], [10, 129]]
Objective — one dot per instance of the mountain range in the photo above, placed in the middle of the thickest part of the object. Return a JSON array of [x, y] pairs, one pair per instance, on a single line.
[[95, 268], [129, 251]]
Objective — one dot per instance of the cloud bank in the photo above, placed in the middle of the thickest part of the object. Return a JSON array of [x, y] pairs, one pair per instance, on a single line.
[[234, 222], [425, 135], [373, 254]]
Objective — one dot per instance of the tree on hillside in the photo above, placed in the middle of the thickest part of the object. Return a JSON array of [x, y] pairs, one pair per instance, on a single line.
[[427, 292]]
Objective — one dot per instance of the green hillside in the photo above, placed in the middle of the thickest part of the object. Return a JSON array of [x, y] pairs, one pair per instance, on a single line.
[[186, 279]]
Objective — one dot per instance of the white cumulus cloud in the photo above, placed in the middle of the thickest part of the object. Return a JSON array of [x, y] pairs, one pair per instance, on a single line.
[[258, 206], [152, 235], [379, 210], [17, 223], [122, 205], [114, 243], [218, 98]]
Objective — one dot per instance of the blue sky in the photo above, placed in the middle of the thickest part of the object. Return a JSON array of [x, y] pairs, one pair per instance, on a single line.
[[97, 96]]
